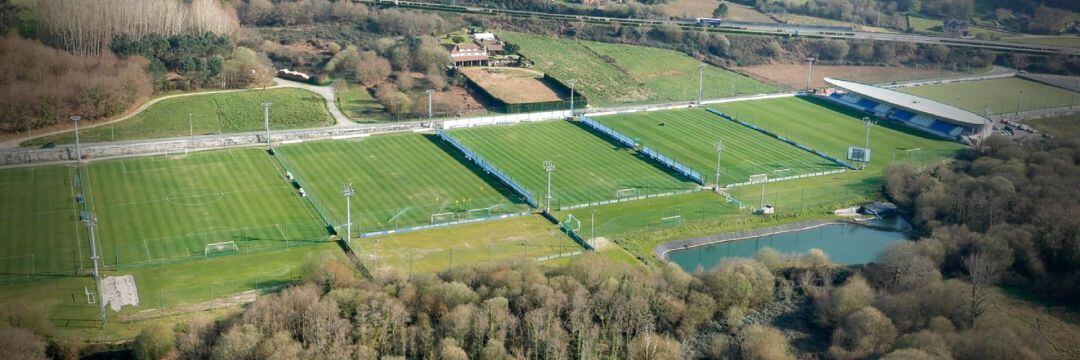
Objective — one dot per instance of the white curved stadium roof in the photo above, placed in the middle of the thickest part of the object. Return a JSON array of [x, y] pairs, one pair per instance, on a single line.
[[912, 102]]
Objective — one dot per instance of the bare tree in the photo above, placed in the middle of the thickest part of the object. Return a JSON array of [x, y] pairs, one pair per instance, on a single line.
[[983, 272]]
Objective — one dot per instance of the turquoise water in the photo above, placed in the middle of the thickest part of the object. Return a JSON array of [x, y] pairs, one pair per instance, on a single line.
[[845, 244]]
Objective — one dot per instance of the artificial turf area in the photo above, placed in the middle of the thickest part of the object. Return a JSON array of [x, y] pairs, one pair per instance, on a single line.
[[616, 221], [588, 168], [164, 208], [1000, 96], [529, 236], [689, 136], [399, 181], [210, 114], [39, 223]]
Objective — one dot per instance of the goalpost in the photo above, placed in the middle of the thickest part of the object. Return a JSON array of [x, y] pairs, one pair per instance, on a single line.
[[671, 221], [220, 248], [442, 218], [479, 212]]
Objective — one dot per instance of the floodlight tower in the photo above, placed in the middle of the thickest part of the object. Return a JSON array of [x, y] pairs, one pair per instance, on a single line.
[[191, 131], [91, 223], [809, 70], [700, 81], [347, 191], [719, 153], [549, 167], [430, 92], [78, 150], [572, 83], [266, 122], [869, 123]]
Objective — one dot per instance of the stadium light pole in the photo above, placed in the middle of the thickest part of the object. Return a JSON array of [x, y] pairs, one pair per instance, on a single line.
[[869, 123], [191, 131], [266, 122], [809, 70], [549, 167], [719, 153], [78, 149], [700, 81], [91, 222], [347, 191], [430, 92], [572, 83]]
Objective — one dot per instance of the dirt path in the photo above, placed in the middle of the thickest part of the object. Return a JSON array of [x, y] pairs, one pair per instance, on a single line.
[[326, 92]]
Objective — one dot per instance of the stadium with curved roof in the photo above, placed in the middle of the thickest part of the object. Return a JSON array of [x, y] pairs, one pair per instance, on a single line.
[[921, 113]]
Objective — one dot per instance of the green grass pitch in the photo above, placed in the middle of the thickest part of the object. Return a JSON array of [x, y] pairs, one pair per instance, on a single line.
[[399, 181], [39, 224], [831, 129], [211, 114], [617, 73], [689, 136], [587, 167], [1001, 96], [157, 209]]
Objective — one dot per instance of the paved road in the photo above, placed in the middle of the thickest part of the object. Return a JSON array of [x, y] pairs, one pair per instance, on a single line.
[[326, 92], [765, 29]]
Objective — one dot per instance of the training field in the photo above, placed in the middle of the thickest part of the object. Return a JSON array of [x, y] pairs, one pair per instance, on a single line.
[[1001, 96], [831, 129], [689, 136], [399, 181], [39, 224], [512, 85], [210, 114], [616, 73], [156, 209], [587, 167], [438, 249]]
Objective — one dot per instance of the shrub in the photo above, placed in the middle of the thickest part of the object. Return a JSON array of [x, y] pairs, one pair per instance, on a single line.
[[154, 342]]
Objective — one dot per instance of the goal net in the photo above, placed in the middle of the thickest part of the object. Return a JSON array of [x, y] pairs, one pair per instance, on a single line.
[[478, 213], [626, 193], [671, 221], [226, 247], [572, 223], [442, 218]]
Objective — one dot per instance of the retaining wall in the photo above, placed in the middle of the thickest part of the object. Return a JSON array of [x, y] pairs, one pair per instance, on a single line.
[[661, 251]]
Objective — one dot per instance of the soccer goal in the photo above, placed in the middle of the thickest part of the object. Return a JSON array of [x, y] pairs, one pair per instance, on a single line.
[[779, 173], [626, 193], [479, 213], [671, 221], [220, 248], [442, 218], [572, 223]]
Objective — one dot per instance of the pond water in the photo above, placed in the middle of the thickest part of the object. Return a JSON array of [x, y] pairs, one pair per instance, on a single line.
[[845, 244]]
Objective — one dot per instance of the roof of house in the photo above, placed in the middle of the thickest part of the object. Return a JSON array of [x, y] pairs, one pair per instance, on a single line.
[[466, 47], [484, 36], [912, 102], [492, 45]]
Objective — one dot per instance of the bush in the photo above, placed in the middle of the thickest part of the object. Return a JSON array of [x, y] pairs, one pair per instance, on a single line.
[[153, 342], [862, 334], [762, 342], [741, 283]]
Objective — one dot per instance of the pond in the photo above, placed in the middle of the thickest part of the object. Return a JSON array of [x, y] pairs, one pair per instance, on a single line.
[[845, 244]]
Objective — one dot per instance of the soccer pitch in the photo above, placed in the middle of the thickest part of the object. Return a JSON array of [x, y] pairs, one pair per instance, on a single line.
[[587, 167], [165, 208], [39, 225], [399, 181], [689, 136], [831, 129], [439, 249], [1000, 96]]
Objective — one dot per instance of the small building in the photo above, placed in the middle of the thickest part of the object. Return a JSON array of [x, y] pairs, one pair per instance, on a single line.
[[956, 27], [468, 54], [493, 47], [484, 36]]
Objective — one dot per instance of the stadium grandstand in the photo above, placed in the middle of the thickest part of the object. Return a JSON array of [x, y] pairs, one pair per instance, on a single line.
[[917, 112]]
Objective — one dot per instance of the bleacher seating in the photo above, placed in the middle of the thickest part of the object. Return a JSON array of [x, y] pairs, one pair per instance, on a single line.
[[882, 109], [866, 104], [902, 115], [922, 120], [942, 127]]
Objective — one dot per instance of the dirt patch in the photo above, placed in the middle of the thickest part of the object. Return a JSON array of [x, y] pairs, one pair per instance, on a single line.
[[512, 85], [794, 75]]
